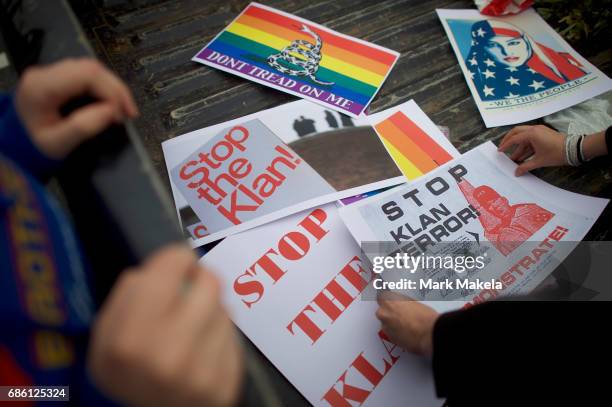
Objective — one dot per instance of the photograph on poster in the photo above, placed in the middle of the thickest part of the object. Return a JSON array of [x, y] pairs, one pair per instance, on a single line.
[[517, 67], [300, 57]]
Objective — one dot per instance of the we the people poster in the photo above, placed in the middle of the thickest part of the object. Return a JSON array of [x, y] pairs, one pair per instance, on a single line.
[[297, 56], [517, 67]]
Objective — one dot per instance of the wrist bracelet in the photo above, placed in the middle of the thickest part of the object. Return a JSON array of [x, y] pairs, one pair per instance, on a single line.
[[571, 150]]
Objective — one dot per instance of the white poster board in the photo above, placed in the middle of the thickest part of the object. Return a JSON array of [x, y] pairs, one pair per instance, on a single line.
[[530, 226], [294, 291]]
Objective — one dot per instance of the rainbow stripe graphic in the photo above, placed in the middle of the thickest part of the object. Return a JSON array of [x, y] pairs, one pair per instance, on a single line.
[[355, 68], [414, 152]]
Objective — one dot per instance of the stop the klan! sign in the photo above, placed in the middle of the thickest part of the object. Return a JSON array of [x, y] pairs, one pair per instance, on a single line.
[[244, 172]]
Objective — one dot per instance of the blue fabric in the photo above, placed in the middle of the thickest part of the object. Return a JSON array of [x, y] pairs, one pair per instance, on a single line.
[[46, 307]]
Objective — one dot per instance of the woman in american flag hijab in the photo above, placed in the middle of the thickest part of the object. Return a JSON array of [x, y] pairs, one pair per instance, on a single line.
[[504, 62]]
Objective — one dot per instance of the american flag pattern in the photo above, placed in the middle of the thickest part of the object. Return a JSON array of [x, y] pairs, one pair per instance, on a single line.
[[544, 69]]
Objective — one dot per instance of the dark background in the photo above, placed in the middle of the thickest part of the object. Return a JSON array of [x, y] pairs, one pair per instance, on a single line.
[[150, 44]]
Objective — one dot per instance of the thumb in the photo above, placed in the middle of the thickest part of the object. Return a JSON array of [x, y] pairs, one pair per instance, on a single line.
[[527, 166]]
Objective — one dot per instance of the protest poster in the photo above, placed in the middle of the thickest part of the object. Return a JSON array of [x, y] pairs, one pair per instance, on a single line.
[[517, 67], [297, 56], [294, 292], [245, 172], [406, 134], [260, 178], [518, 228]]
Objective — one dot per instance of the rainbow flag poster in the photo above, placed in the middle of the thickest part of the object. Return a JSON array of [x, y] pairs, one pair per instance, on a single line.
[[415, 148], [300, 57]]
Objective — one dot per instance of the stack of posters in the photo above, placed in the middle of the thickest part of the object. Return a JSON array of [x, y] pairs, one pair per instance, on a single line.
[[297, 290], [299, 190], [246, 172]]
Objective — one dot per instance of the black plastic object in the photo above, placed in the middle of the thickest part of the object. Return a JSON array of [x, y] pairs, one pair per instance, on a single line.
[[120, 208], [121, 212]]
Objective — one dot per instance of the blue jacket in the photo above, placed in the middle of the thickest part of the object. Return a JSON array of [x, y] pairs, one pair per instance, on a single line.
[[46, 306]]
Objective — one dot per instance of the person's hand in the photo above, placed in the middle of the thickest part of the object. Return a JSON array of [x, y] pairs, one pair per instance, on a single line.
[[545, 146], [43, 91], [406, 322], [162, 337]]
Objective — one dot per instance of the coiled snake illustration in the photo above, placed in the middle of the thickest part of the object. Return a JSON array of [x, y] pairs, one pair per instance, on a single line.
[[311, 52]]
